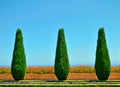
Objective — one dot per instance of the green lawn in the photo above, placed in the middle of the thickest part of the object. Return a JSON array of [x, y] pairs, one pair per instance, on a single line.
[[68, 83]]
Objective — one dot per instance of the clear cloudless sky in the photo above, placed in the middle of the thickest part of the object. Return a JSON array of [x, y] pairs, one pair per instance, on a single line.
[[40, 21]]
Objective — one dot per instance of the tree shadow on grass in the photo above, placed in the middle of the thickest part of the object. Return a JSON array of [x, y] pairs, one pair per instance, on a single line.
[[55, 80]]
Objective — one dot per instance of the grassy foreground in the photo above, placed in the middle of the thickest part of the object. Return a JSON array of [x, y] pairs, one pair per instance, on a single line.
[[68, 83]]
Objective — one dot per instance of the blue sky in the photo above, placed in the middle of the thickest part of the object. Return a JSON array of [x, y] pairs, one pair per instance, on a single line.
[[40, 21]]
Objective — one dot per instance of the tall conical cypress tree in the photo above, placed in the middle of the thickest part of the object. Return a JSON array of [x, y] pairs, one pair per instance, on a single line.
[[102, 62], [61, 66], [18, 67]]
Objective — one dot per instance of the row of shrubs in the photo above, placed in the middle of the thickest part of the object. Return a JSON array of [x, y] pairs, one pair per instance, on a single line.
[[61, 66]]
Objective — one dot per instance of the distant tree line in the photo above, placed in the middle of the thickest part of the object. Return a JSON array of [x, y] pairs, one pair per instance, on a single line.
[[61, 66]]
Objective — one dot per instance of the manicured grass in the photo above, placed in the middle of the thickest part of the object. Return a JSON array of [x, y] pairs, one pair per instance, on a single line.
[[47, 85], [68, 83]]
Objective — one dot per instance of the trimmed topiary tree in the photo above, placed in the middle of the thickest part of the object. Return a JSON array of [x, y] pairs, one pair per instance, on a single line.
[[61, 66], [18, 67], [102, 61]]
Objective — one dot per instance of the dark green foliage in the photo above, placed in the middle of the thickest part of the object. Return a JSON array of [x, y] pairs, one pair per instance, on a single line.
[[62, 66], [18, 68], [102, 62]]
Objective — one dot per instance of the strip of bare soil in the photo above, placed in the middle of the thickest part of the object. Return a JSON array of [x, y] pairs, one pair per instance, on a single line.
[[71, 76]]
